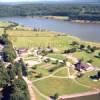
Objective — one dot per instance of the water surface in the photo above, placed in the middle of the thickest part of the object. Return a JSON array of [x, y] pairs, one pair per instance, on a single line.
[[89, 32]]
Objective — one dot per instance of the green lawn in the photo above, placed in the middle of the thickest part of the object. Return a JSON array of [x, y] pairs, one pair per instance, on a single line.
[[50, 86], [57, 56], [87, 81], [6, 24], [36, 39], [1, 31], [63, 72], [88, 56]]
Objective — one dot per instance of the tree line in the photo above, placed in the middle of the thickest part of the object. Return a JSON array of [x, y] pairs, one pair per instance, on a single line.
[[12, 85], [73, 11]]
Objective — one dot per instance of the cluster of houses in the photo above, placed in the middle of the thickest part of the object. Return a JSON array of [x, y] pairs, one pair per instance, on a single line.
[[22, 51], [36, 52], [39, 50]]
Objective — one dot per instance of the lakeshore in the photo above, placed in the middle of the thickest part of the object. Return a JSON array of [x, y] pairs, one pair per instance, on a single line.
[[66, 18]]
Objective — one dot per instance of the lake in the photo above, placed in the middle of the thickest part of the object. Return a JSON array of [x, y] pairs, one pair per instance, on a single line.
[[86, 31]]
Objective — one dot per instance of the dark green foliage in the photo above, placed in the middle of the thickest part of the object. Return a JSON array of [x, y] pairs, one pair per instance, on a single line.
[[98, 74], [24, 67], [11, 72], [8, 53], [75, 43], [73, 11], [55, 96], [90, 61], [18, 68], [39, 75], [4, 39], [4, 78], [19, 90], [90, 49], [98, 55], [72, 50], [82, 46]]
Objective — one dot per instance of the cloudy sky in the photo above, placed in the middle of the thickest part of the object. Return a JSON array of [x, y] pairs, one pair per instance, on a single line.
[[45, 0]]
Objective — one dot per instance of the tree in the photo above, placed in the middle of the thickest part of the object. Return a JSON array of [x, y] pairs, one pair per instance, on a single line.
[[98, 74], [11, 72], [4, 39], [4, 78], [55, 96], [74, 43], [17, 94], [24, 67], [82, 46], [18, 69], [90, 61], [9, 54], [19, 90]]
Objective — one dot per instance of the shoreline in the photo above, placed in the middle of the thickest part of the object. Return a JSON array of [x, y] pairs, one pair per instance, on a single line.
[[60, 18], [77, 38], [90, 93], [63, 18], [94, 43]]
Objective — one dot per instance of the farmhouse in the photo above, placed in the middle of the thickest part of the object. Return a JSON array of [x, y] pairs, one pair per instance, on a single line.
[[49, 49], [83, 66], [22, 51]]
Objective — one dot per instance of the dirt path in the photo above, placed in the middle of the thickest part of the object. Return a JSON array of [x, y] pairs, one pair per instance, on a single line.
[[79, 95], [30, 89]]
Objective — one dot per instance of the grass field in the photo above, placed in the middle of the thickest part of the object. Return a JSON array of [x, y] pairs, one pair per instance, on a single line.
[[62, 72], [36, 39], [6, 24], [87, 81], [57, 56], [50, 86]]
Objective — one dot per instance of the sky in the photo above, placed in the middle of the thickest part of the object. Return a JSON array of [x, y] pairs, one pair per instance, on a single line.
[[43, 0], [26, 0]]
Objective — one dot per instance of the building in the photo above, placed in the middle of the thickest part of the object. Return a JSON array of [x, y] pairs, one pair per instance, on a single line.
[[22, 51], [83, 66]]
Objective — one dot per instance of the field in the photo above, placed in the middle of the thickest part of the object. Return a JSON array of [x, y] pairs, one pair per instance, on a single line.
[[50, 86], [34, 39]]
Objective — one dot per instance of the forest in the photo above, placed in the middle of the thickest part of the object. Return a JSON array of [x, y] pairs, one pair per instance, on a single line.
[[73, 11]]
